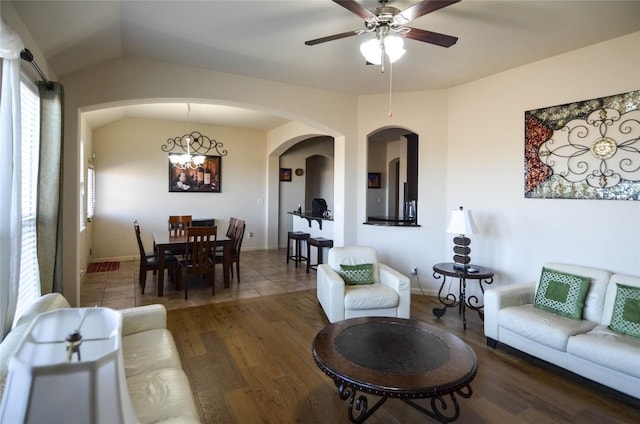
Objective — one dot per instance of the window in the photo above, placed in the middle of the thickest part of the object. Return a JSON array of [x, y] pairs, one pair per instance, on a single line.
[[29, 289], [91, 192], [82, 190]]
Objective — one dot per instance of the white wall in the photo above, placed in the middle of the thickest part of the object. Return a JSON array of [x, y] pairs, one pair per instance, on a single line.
[[424, 113], [485, 170], [132, 184], [472, 154], [131, 80]]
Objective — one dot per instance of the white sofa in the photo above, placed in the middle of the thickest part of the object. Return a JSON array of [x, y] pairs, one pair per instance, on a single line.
[[388, 296], [586, 347], [159, 389]]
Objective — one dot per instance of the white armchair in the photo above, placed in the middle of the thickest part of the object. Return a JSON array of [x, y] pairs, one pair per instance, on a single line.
[[388, 296]]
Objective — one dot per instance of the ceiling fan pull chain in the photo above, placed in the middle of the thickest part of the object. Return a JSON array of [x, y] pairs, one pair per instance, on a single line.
[[382, 54], [390, 88]]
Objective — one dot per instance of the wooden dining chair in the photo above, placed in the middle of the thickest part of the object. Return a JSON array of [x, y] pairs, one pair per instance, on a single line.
[[218, 251], [197, 259], [232, 227], [237, 237], [149, 261], [178, 224]]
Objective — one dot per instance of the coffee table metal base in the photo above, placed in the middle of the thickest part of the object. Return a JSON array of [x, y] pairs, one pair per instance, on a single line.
[[440, 410]]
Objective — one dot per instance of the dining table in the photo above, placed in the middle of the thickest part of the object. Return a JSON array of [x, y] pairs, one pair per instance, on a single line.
[[164, 241]]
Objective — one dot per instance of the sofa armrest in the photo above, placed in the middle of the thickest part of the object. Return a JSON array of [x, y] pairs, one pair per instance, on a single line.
[[143, 318], [46, 303], [401, 284], [330, 292], [501, 297]]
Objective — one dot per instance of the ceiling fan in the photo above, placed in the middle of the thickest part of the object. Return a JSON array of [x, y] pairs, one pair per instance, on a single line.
[[388, 21]]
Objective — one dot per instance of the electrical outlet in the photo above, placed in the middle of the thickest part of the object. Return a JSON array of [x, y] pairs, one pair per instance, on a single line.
[[414, 271]]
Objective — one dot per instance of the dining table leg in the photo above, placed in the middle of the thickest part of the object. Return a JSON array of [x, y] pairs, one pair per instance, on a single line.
[[226, 263], [160, 255]]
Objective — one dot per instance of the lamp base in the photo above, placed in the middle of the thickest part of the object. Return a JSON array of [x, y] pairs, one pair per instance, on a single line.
[[461, 252]]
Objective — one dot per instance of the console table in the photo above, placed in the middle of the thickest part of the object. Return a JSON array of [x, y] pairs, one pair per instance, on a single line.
[[462, 301]]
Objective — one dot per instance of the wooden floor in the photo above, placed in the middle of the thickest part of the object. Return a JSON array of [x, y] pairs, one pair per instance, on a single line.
[[249, 361]]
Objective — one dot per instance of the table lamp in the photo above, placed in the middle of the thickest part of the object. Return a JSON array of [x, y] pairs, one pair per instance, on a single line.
[[69, 368], [461, 223]]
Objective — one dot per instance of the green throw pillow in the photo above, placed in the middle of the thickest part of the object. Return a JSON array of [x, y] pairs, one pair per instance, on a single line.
[[561, 293], [626, 311], [357, 274]]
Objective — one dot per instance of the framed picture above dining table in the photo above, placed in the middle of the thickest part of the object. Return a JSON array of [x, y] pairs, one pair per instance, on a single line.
[[204, 178]]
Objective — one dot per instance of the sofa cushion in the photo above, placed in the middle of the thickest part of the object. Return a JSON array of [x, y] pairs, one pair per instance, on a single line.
[[561, 293], [357, 274], [546, 328], [370, 296], [149, 350], [626, 311], [607, 348], [162, 395]]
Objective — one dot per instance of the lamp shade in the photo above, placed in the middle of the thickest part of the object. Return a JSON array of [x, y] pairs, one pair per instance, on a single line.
[[48, 384], [461, 222]]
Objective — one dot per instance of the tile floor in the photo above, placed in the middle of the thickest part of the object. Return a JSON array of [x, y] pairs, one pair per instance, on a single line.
[[263, 272]]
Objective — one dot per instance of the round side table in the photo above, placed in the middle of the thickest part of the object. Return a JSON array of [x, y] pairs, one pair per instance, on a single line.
[[449, 300]]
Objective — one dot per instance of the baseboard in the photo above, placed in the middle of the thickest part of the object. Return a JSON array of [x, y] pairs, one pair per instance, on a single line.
[[423, 292], [116, 259]]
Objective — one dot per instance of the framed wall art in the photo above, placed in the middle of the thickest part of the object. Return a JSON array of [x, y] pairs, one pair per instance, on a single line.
[[204, 178], [285, 174], [373, 179], [584, 150]]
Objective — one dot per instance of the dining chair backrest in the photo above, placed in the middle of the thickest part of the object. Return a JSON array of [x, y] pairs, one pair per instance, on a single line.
[[143, 255], [178, 224], [232, 227], [200, 241], [238, 235]]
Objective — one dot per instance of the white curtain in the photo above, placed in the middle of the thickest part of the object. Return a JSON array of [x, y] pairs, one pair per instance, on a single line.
[[10, 159]]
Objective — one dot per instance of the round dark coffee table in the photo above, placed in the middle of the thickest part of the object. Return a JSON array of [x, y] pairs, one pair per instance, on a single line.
[[396, 358]]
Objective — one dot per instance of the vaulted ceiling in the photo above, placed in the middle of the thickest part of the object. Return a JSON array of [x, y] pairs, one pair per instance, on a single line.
[[265, 39]]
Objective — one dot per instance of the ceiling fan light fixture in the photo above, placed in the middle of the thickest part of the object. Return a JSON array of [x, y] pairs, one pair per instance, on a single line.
[[372, 51], [393, 48]]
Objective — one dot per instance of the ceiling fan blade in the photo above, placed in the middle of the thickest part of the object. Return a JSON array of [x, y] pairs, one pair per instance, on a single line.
[[331, 38], [355, 7], [424, 7], [431, 37]]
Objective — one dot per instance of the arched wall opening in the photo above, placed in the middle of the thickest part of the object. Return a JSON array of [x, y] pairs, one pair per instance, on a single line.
[[392, 177], [261, 228]]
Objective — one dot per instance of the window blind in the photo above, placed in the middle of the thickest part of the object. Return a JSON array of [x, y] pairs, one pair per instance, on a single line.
[[29, 289]]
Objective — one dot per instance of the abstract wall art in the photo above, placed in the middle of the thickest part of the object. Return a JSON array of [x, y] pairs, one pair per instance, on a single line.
[[584, 150]]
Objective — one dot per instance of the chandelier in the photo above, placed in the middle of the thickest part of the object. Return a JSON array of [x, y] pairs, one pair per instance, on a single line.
[[187, 160], [189, 150]]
